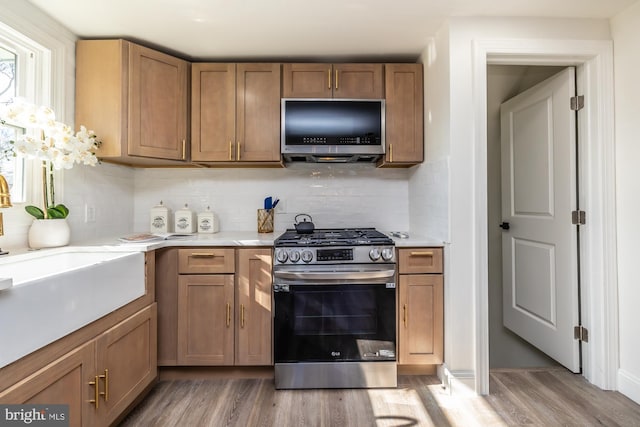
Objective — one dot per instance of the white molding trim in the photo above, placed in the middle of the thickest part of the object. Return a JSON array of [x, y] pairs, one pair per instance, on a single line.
[[629, 385], [594, 59]]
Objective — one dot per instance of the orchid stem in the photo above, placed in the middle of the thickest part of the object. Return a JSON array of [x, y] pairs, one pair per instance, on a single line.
[[45, 198]]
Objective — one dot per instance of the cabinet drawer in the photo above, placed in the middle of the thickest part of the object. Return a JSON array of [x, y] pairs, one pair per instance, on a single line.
[[420, 260], [206, 261]]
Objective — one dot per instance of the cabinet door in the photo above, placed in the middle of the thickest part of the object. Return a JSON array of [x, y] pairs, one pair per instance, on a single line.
[[213, 112], [157, 104], [307, 81], [420, 319], [404, 113], [253, 319], [358, 81], [258, 112], [65, 381], [127, 360], [205, 319]]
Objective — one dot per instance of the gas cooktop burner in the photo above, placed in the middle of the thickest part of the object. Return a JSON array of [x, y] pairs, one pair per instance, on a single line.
[[334, 237]]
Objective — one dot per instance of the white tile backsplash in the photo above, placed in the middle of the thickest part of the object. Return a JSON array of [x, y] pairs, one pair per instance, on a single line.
[[334, 195], [429, 199]]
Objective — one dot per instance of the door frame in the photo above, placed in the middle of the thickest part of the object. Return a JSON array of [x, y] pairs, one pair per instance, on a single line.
[[594, 62]]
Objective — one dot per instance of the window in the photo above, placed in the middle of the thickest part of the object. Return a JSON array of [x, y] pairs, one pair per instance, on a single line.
[[17, 78]]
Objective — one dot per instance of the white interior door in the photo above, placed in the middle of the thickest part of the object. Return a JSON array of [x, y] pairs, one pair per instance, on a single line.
[[539, 249]]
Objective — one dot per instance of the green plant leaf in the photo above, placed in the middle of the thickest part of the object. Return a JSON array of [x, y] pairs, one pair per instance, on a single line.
[[34, 211], [55, 213], [62, 208]]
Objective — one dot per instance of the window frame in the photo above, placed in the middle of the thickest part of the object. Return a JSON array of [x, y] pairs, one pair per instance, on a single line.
[[33, 82]]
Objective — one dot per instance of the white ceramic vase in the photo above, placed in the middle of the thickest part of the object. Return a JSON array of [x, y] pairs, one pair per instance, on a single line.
[[49, 233]]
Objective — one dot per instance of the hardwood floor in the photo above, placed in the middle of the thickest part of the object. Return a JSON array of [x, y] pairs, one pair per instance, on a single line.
[[546, 397]]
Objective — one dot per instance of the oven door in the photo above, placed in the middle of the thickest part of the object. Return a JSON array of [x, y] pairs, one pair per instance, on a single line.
[[345, 314]]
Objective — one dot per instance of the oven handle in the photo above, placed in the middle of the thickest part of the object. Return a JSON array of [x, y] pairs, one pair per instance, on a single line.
[[335, 275]]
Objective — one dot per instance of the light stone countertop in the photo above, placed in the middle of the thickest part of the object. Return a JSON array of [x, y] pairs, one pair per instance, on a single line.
[[224, 238], [252, 238]]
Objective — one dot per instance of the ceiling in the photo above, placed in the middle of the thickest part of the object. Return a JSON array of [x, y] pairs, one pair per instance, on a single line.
[[295, 29]]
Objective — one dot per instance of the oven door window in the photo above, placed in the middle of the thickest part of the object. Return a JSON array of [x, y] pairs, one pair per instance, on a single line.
[[335, 322]]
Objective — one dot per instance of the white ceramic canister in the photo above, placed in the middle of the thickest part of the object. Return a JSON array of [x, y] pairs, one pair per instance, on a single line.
[[207, 222], [185, 221], [159, 219]]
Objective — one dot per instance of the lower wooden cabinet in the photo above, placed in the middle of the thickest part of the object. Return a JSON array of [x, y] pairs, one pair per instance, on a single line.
[[420, 327], [99, 379], [126, 363], [205, 322], [420, 307], [65, 381], [253, 308], [216, 309]]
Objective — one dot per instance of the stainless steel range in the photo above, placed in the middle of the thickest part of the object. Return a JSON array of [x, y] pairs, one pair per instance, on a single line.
[[335, 309]]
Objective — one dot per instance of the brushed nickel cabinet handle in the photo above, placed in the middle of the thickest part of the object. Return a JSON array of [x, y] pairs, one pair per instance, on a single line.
[[329, 78], [238, 147], [184, 149], [336, 79], [228, 315], [391, 153], [230, 150]]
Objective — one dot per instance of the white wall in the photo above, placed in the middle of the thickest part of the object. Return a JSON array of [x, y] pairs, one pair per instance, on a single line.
[[338, 195], [625, 28], [429, 182], [465, 201]]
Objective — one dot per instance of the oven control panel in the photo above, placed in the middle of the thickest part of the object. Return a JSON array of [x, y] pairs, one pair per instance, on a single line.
[[335, 255]]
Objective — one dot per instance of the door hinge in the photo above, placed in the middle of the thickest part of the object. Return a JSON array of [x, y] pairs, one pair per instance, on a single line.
[[577, 102], [581, 333], [578, 217]]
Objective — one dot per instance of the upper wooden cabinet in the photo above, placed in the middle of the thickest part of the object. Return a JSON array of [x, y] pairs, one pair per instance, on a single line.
[[404, 115], [235, 113], [135, 99], [356, 81]]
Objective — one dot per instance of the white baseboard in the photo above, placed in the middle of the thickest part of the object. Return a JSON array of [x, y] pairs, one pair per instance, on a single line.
[[629, 385], [459, 383]]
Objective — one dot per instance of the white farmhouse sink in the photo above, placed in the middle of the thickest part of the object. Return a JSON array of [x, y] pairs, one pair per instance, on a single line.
[[56, 292]]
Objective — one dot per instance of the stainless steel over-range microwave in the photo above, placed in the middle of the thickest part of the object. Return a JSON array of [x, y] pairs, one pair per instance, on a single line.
[[332, 130]]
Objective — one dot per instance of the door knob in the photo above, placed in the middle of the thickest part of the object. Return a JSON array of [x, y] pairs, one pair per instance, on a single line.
[[504, 226]]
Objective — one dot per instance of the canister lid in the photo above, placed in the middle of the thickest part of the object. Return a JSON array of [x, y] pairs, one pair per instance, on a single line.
[[185, 210]]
